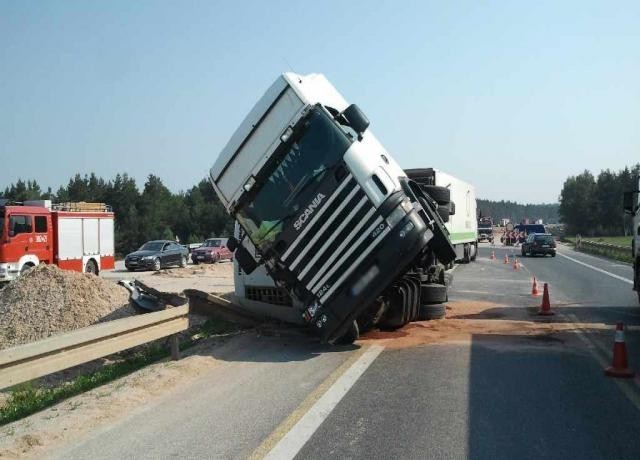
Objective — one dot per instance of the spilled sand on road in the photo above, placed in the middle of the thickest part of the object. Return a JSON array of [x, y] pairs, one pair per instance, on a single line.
[[468, 319]]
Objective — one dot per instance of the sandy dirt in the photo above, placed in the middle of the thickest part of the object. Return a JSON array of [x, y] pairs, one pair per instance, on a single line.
[[467, 320], [69, 420], [47, 301], [214, 278]]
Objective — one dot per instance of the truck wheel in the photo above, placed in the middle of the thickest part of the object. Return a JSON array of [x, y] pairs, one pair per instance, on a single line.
[[443, 211], [474, 249], [350, 336], [91, 267], [156, 264], [183, 261], [25, 268], [428, 312], [431, 293], [440, 194], [467, 254]]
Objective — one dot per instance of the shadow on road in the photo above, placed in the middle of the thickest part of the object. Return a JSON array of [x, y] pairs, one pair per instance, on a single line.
[[549, 402]]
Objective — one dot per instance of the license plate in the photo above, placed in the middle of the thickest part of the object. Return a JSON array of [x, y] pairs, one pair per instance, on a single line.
[[545, 245], [133, 263], [200, 257]]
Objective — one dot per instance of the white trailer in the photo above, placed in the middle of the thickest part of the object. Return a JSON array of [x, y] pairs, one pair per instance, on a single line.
[[463, 223], [456, 201]]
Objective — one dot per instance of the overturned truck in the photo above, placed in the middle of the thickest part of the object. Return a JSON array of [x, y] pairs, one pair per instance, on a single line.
[[331, 231]]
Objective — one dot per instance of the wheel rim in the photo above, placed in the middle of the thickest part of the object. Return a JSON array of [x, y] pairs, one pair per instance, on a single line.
[[157, 265]]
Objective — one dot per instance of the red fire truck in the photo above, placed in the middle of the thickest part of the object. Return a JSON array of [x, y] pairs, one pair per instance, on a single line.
[[73, 236]]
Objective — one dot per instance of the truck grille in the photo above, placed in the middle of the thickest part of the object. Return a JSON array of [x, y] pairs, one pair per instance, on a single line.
[[336, 240]]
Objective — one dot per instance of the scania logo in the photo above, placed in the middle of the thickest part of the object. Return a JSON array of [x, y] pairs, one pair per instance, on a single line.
[[308, 212]]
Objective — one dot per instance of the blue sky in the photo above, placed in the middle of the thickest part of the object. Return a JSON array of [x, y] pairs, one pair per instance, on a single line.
[[511, 96]]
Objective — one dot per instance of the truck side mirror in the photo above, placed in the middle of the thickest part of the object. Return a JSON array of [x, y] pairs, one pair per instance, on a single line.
[[452, 208], [630, 202], [232, 243], [245, 260], [357, 119]]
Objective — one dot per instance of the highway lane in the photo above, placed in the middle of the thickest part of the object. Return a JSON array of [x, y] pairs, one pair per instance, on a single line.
[[500, 396], [485, 395]]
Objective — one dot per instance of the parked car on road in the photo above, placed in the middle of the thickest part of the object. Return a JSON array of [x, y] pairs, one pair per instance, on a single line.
[[213, 250], [539, 243], [154, 255]]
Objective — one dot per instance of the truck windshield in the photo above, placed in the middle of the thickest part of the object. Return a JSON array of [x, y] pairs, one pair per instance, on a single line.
[[317, 148]]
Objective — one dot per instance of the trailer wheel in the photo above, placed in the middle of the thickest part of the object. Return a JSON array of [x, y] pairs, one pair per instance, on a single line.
[[431, 293], [440, 194], [474, 247], [91, 267], [428, 312]]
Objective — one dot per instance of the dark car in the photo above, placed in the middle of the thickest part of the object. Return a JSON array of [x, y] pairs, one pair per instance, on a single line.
[[539, 243], [154, 255], [213, 250]]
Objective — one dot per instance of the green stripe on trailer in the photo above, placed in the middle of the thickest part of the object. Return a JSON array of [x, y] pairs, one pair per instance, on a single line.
[[462, 237]]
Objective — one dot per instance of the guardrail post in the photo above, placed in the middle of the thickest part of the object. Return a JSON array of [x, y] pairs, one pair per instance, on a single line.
[[174, 343]]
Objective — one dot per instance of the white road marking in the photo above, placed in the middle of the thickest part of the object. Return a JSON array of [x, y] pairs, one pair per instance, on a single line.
[[612, 275], [289, 446]]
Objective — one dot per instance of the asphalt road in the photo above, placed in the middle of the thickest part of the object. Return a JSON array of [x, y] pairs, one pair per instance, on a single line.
[[490, 396]]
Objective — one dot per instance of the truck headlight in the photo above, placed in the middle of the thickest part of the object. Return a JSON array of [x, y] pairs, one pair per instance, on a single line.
[[396, 215]]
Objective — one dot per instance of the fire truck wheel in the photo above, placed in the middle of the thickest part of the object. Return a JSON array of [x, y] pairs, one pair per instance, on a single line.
[[91, 267], [156, 264], [25, 268], [183, 261]]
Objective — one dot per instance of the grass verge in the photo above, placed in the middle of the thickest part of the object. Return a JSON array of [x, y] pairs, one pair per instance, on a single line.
[[29, 398], [623, 255]]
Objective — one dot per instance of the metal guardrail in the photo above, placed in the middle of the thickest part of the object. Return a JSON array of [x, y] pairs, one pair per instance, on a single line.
[[605, 249], [27, 362]]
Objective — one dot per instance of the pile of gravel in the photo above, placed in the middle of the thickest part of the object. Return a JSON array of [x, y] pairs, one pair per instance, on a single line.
[[47, 300]]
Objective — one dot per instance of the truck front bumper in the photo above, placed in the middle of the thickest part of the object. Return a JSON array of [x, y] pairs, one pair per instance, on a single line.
[[375, 274]]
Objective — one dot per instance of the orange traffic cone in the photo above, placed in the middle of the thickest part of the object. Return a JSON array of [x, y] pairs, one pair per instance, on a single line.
[[515, 263], [506, 258], [545, 308], [534, 289], [620, 367], [493, 255]]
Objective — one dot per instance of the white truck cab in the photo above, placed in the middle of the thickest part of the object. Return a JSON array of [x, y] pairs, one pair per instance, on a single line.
[[327, 210]]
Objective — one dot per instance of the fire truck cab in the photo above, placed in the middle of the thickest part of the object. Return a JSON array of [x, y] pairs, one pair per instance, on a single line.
[[74, 236]]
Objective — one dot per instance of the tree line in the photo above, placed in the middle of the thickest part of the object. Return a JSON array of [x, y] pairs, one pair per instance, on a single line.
[[153, 212], [592, 206], [517, 212]]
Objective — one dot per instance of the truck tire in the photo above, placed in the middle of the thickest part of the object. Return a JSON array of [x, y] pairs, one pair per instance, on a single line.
[[91, 267], [474, 249], [431, 293], [442, 195], [25, 268], [429, 312], [443, 211], [467, 254], [352, 334]]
